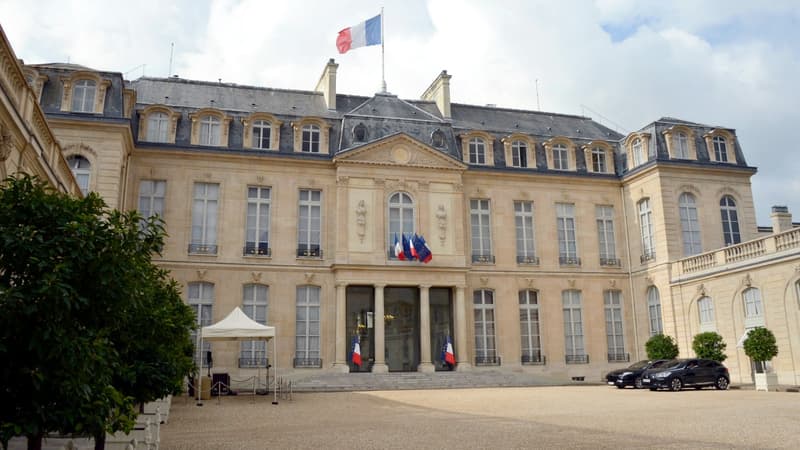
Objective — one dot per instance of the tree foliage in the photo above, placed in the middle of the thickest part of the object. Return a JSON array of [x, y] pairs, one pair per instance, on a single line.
[[89, 326], [661, 346], [709, 345], [760, 344]]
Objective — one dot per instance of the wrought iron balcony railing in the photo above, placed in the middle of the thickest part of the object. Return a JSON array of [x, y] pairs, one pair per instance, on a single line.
[[203, 249], [576, 359]]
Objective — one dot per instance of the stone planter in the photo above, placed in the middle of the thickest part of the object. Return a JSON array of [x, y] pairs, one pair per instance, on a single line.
[[766, 381]]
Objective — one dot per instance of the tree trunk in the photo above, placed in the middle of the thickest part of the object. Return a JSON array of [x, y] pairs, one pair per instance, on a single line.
[[100, 441], [35, 442]]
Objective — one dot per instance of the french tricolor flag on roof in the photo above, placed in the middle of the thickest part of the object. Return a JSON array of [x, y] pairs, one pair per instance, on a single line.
[[361, 35]]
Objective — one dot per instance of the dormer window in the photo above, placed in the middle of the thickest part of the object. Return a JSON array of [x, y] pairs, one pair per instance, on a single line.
[[680, 142], [477, 148], [210, 130], [519, 154], [261, 131], [560, 153], [560, 157], [720, 145], [599, 163], [262, 134], [310, 138], [437, 139], [720, 149], [519, 151], [599, 156], [157, 127], [83, 96], [638, 152], [477, 151], [360, 133], [681, 146]]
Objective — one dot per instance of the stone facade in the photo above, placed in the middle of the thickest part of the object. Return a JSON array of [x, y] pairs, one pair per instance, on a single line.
[[553, 212]]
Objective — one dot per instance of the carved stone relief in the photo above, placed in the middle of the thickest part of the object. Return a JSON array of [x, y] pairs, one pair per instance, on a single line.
[[6, 143], [441, 222], [361, 220]]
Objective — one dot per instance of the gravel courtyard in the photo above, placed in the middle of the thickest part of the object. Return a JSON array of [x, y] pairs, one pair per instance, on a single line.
[[540, 417]]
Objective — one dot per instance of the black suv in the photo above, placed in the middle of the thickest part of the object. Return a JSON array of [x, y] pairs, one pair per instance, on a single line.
[[694, 372], [632, 375]]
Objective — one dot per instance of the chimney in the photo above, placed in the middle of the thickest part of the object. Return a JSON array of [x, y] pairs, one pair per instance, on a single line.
[[781, 219], [327, 84], [439, 92]]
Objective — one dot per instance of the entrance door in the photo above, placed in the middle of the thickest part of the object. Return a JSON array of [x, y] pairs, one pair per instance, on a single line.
[[441, 325], [401, 319], [360, 326]]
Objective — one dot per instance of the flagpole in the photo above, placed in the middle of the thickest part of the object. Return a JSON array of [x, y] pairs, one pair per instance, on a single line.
[[383, 70]]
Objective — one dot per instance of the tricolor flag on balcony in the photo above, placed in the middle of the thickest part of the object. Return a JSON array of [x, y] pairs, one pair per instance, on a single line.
[[423, 251], [398, 249]]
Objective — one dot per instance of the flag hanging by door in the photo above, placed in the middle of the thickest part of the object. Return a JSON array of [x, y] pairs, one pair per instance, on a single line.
[[448, 355], [356, 356]]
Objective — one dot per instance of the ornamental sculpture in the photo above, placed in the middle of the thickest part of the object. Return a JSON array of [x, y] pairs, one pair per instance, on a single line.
[[361, 220], [441, 220]]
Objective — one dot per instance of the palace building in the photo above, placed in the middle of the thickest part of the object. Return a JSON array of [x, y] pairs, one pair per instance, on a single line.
[[559, 246]]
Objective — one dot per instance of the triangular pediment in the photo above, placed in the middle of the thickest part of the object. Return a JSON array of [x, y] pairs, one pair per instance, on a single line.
[[387, 105], [399, 150]]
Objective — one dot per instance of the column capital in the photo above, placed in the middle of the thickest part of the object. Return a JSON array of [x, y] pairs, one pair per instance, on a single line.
[[379, 285], [341, 284], [424, 286]]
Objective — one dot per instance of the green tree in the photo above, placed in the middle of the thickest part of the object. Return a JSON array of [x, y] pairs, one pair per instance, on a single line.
[[761, 346], [661, 347], [79, 301], [709, 345]]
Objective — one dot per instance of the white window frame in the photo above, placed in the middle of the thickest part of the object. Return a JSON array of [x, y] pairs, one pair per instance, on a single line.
[[477, 151], [151, 197], [257, 224], [308, 326], [262, 134], [83, 96], [646, 228], [599, 160], [481, 230], [605, 235], [654, 311], [210, 130], [204, 217], [690, 224], [567, 233], [705, 309], [572, 308], [82, 170], [560, 157], [530, 327], [311, 136], [753, 306], [526, 232], [485, 327], [309, 223], [615, 329], [519, 154], [637, 149], [681, 145], [255, 305], [730, 218], [200, 297], [720, 148], [401, 218], [157, 127]]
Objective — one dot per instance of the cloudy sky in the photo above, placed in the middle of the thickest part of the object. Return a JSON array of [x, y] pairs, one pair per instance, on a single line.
[[732, 63]]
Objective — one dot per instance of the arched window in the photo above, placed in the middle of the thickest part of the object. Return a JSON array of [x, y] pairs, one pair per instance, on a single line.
[[654, 311], [646, 225], [262, 134], [254, 305], [730, 220], [689, 224], [753, 307], [705, 307], [311, 137], [401, 218], [682, 146], [485, 343], [360, 133], [477, 151], [720, 149], [157, 127], [82, 170], [201, 300], [519, 154], [210, 127], [638, 152], [531, 343], [83, 96], [437, 139]]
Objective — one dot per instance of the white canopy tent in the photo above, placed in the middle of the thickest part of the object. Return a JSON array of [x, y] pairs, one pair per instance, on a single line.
[[238, 327]]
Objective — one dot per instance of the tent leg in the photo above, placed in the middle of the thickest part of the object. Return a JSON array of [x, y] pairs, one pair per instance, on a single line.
[[275, 376], [198, 382]]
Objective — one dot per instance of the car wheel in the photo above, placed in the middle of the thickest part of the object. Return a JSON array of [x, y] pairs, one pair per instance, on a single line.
[[721, 384], [653, 389], [637, 383], [676, 384], [620, 386]]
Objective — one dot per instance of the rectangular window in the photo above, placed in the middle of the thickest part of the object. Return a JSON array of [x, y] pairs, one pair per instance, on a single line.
[[599, 160], [157, 127], [254, 305], [261, 134], [481, 231], [485, 345], [519, 154], [526, 246], [204, 218], [151, 197], [309, 224], [258, 215], [531, 343], [565, 224], [201, 300], [210, 128], [646, 223], [654, 310], [83, 96], [307, 330], [605, 235], [614, 334], [311, 139], [575, 352], [682, 146], [706, 307], [560, 158]]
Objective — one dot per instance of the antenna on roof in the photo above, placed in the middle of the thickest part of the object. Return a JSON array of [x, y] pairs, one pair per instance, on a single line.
[[135, 68], [538, 107], [171, 49]]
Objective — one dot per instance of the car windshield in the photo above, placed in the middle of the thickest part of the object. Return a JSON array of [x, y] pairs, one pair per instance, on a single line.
[[639, 365]]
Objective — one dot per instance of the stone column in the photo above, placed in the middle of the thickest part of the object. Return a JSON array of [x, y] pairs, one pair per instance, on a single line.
[[462, 357], [380, 347], [425, 362], [340, 363]]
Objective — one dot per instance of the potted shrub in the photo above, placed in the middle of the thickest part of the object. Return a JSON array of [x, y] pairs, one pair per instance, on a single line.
[[661, 347], [761, 347], [709, 345]]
